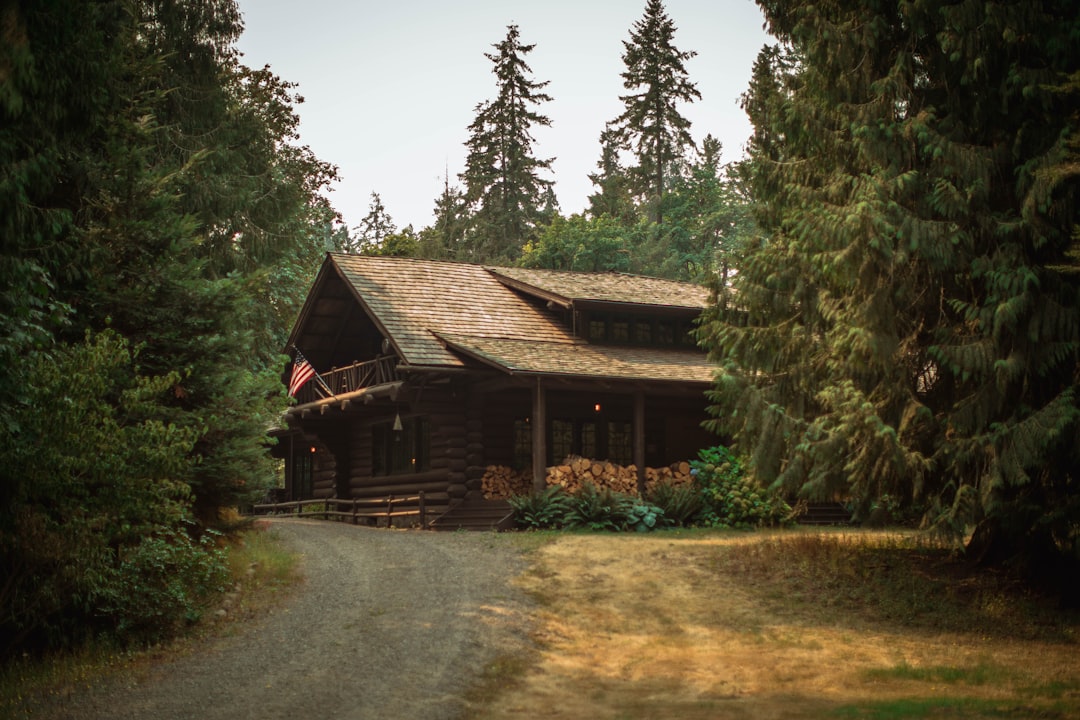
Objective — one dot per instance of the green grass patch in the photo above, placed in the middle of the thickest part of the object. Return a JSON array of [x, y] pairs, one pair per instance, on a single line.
[[981, 674]]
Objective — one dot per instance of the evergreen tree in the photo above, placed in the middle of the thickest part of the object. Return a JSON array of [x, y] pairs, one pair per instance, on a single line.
[[707, 220], [151, 197], [502, 177], [650, 125], [376, 226], [444, 239], [908, 327], [613, 196]]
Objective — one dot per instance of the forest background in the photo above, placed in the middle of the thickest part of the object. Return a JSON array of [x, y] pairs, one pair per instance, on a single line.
[[894, 266]]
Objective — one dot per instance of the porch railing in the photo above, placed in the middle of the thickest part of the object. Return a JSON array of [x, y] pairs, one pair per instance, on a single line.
[[348, 379]]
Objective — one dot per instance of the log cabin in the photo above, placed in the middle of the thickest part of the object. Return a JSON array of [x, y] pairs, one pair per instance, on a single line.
[[430, 372]]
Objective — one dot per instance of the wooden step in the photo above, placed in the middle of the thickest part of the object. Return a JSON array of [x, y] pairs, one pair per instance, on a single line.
[[476, 515]]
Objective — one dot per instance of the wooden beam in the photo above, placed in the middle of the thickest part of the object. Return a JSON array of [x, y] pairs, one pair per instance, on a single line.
[[639, 440], [539, 436]]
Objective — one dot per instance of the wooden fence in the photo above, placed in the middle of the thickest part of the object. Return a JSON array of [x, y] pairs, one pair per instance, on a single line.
[[375, 508]]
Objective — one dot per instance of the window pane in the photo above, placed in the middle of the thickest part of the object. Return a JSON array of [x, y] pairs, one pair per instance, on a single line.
[[597, 330], [643, 332], [522, 444], [562, 439], [620, 442], [620, 331], [588, 440]]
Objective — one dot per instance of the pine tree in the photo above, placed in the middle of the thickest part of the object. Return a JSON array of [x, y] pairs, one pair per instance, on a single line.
[[650, 125], [445, 238], [907, 328], [613, 196], [502, 177], [373, 230]]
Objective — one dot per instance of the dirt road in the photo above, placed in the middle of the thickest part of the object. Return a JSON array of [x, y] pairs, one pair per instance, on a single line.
[[387, 624]]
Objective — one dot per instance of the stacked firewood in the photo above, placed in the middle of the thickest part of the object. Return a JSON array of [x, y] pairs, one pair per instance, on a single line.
[[501, 482]]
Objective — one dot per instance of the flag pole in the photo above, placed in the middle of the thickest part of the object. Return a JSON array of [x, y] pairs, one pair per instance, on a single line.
[[314, 371]]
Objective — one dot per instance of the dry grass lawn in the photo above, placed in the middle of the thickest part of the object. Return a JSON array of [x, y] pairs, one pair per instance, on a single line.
[[795, 624]]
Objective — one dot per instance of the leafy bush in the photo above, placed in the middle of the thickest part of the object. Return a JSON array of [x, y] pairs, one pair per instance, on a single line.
[[681, 504], [643, 517], [730, 498], [160, 584], [590, 508], [97, 541], [597, 508], [537, 511]]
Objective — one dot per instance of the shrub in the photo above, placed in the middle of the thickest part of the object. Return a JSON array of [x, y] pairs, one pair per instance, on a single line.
[[681, 504], [730, 498], [643, 517], [160, 584], [537, 511], [595, 508]]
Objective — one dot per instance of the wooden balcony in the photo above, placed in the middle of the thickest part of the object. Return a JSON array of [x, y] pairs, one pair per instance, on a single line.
[[350, 379]]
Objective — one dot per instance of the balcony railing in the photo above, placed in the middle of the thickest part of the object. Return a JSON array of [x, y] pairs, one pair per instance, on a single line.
[[349, 379]]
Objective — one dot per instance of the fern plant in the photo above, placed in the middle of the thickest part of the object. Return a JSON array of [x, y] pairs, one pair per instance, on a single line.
[[594, 508], [538, 511], [681, 504]]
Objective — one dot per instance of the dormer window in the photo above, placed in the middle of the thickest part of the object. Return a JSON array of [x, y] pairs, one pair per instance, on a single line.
[[614, 329]]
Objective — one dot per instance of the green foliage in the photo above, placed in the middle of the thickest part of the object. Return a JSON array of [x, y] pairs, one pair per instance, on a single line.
[[730, 498], [590, 508], [539, 511], [597, 508], [159, 584], [908, 323], [576, 243], [682, 504], [93, 480], [502, 177], [151, 195], [650, 125]]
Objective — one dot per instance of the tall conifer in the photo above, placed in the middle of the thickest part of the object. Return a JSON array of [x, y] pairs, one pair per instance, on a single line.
[[907, 331], [503, 179], [650, 125]]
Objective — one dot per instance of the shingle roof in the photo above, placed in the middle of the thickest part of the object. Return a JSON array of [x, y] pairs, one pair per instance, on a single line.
[[584, 360], [412, 299], [610, 287], [436, 313]]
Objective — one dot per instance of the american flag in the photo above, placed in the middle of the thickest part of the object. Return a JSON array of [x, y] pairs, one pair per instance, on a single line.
[[302, 371]]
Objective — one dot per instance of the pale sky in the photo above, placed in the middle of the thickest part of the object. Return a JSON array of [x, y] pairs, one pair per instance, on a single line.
[[391, 87]]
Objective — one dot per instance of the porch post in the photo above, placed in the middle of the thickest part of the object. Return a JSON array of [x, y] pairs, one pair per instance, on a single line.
[[639, 439], [539, 436], [290, 469]]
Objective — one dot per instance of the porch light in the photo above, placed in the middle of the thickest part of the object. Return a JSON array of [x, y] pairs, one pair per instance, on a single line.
[[313, 450], [596, 407]]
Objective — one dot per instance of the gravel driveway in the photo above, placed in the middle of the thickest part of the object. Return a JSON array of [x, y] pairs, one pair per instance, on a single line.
[[386, 624]]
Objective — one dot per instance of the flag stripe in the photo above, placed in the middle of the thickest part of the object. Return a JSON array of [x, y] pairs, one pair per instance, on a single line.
[[302, 372]]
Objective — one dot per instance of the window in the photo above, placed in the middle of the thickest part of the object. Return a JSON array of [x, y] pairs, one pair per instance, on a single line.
[[642, 332], [399, 452], [302, 471], [562, 439], [588, 440], [621, 442], [522, 444]]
